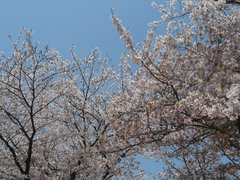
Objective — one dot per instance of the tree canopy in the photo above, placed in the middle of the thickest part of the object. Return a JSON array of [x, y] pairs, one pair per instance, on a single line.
[[81, 119]]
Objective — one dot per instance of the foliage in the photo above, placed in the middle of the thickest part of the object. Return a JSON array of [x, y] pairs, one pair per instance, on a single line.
[[187, 89], [54, 116], [79, 119]]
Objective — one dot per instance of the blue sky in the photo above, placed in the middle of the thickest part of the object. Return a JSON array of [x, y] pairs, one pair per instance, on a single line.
[[84, 23]]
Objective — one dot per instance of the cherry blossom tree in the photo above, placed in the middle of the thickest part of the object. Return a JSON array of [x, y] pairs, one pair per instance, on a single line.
[[184, 98], [88, 131], [79, 119], [30, 84], [57, 119]]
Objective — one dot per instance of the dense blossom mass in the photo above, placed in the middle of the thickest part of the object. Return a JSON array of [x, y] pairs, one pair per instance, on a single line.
[[186, 90], [79, 119]]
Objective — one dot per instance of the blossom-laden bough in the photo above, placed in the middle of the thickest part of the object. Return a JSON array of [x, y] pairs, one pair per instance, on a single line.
[[78, 119], [184, 98], [54, 116]]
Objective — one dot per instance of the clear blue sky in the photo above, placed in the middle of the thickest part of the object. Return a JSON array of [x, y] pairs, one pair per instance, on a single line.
[[84, 23]]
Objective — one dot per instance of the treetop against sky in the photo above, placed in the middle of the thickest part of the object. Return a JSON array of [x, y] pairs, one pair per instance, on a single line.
[[173, 95]]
